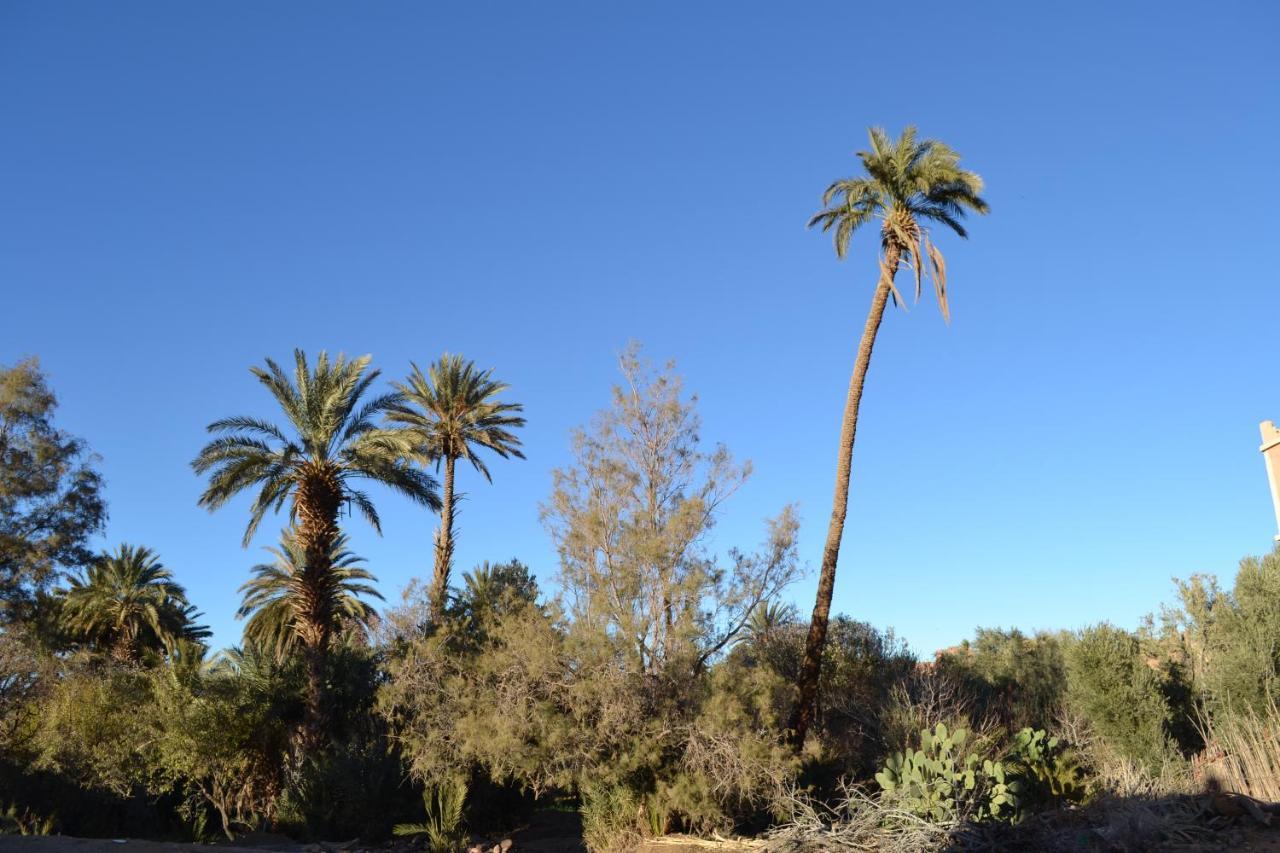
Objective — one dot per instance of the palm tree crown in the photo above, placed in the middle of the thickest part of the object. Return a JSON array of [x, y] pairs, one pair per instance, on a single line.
[[128, 602], [452, 413], [768, 619], [334, 441], [908, 181], [276, 599]]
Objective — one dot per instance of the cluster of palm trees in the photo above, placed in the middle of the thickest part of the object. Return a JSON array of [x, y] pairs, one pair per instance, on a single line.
[[338, 437]]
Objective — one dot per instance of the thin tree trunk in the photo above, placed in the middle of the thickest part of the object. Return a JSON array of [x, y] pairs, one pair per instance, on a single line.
[[811, 665], [444, 547]]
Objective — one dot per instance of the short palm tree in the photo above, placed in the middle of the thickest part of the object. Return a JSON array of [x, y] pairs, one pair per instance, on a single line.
[[127, 603], [453, 413], [332, 442], [277, 598], [907, 183], [769, 618]]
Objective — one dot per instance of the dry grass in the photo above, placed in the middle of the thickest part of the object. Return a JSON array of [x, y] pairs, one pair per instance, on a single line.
[[1243, 754], [859, 822]]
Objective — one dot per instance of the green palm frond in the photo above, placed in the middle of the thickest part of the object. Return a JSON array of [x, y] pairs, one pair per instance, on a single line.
[[452, 412], [443, 827], [332, 434], [281, 596], [908, 182], [768, 619], [127, 602]]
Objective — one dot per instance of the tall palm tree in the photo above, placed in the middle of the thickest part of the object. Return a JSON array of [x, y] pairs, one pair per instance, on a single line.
[[128, 603], [332, 442], [453, 413], [906, 183], [277, 598]]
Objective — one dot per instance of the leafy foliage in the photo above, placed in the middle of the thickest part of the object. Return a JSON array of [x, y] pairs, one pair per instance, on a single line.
[[629, 520], [51, 499], [622, 686], [1235, 630], [861, 669], [1110, 682], [1016, 679]]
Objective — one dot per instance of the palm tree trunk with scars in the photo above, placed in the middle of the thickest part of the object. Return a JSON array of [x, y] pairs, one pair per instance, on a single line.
[[811, 665], [318, 500], [444, 546]]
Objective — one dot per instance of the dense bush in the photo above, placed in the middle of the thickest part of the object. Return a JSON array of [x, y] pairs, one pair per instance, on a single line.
[[861, 666], [1225, 641], [1111, 683], [1014, 680]]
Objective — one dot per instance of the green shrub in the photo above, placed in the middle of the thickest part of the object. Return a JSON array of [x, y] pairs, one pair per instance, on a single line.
[[1225, 639], [1110, 683], [443, 826], [15, 820], [609, 817], [1014, 679]]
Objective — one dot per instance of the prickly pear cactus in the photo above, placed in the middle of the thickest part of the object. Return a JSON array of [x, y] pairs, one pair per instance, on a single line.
[[1048, 766], [928, 781], [1001, 801], [935, 783]]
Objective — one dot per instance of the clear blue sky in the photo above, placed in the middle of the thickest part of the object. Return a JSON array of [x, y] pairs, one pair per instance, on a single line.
[[188, 188]]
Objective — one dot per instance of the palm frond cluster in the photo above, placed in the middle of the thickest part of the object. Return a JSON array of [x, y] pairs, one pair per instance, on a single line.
[[127, 602], [276, 600], [907, 182]]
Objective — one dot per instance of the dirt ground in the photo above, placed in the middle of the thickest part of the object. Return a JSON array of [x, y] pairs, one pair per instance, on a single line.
[[549, 835]]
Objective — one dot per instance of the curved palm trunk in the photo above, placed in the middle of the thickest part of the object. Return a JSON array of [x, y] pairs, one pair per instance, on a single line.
[[444, 547], [317, 502], [811, 665]]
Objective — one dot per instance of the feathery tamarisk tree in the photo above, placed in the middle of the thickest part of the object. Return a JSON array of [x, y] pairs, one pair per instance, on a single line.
[[332, 442], [907, 183]]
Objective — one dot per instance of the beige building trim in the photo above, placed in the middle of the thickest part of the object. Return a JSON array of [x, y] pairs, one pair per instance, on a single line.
[[1271, 454]]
